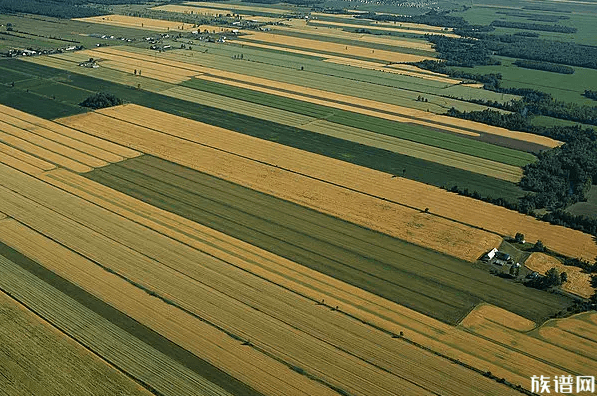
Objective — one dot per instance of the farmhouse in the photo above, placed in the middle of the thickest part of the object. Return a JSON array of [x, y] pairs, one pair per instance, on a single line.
[[502, 258]]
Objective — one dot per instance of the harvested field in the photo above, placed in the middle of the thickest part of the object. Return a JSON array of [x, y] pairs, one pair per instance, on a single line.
[[578, 283], [320, 47], [99, 148], [406, 147], [576, 334], [19, 164], [32, 144], [38, 359], [24, 157], [487, 312], [395, 318], [89, 322], [38, 151], [140, 23], [388, 218], [171, 269], [383, 27], [408, 194], [69, 228], [536, 348]]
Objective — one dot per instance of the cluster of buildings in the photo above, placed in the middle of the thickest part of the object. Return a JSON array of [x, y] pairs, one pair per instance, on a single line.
[[13, 53]]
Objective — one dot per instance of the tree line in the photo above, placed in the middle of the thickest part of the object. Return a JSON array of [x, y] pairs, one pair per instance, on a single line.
[[560, 176], [546, 66], [534, 26]]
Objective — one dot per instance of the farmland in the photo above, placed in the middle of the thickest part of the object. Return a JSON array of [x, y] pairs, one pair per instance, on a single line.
[[578, 281], [429, 172], [271, 199], [319, 168], [138, 23], [37, 358]]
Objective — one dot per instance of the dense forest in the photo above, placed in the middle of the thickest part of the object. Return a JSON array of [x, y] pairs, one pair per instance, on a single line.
[[534, 26], [559, 178], [475, 48], [546, 66]]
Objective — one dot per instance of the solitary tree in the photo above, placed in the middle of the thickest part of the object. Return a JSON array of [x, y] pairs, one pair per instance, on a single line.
[[519, 237]]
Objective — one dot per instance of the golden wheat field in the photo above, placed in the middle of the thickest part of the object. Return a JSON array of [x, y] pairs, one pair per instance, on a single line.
[[378, 184], [33, 145], [141, 361], [576, 334], [170, 269], [139, 23], [578, 282], [497, 315], [198, 337], [534, 347], [333, 48], [38, 359], [83, 142], [380, 349]]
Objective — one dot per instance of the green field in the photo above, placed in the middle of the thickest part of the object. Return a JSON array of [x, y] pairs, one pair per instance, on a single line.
[[588, 208], [361, 83], [583, 19], [37, 104], [429, 282], [449, 141], [386, 161], [565, 87]]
